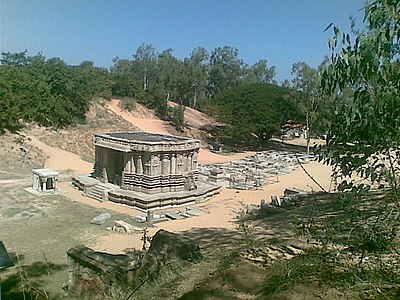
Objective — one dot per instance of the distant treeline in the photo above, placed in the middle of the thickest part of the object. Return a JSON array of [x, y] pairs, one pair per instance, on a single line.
[[53, 93]]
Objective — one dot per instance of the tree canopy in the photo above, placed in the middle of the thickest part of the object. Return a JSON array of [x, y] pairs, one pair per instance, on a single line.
[[253, 112], [365, 134], [52, 93], [47, 91]]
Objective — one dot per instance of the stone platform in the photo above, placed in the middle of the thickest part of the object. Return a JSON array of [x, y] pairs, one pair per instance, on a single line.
[[94, 188]]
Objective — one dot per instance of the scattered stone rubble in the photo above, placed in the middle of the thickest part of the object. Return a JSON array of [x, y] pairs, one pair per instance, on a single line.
[[268, 254], [101, 219], [253, 171], [289, 198], [150, 217], [124, 227]]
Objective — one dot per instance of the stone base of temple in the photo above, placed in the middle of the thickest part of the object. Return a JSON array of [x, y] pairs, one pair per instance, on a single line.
[[108, 192]]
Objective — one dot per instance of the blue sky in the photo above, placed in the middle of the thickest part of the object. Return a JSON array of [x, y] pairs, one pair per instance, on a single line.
[[281, 31]]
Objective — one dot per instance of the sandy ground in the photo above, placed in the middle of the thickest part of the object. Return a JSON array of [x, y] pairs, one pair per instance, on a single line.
[[61, 160], [219, 212]]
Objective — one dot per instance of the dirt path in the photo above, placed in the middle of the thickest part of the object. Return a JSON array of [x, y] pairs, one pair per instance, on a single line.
[[61, 160], [148, 124]]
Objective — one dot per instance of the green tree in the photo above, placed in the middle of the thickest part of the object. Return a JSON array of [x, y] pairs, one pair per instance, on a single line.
[[169, 71], [178, 117], [260, 73], [195, 77], [96, 81], [48, 92], [365, 135], [226, 69], [306, 81], [9, 110], [124, 81], [253, 113], [144, 65]]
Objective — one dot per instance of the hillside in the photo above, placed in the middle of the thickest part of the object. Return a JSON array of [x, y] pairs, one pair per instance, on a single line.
[[79, 139]]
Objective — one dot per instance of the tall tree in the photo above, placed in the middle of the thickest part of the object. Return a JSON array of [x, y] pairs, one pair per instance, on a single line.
[[226, 69], [253, 112], [169, 70], [306, 81], [144, 65], [124, 82], [196, 72], [260, 73]]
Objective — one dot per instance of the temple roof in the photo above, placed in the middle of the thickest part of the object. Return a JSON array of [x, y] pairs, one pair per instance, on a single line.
[[145, 137], [127, 141]]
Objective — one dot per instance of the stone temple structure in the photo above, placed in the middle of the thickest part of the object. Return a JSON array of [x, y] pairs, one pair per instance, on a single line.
[[145, 170], [44, 180]]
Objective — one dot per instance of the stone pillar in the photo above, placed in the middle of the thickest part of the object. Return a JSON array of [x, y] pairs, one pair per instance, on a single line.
[[180, 163], [194, 160], [155, 165], [190, 161], [36, 183], [139, 165], [149, 217], [127, 162], [173, 164], [185, 162], [44, 183], [165, 164]]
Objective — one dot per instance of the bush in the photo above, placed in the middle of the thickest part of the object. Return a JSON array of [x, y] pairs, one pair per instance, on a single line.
[[127, 103]]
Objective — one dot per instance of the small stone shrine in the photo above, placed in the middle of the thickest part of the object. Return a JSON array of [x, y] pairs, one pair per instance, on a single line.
[[145, 170], [44, 180]]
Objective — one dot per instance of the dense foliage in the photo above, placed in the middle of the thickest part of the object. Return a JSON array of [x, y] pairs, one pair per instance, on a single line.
[[52, 93], [253, 112], [364, 138], [48, 92]]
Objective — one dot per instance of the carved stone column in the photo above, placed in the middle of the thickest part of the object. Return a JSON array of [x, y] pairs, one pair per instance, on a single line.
[[173, 164], [127, 163], [194, 160], [190, 168], [180, 163], [139, 165], [165, 164]]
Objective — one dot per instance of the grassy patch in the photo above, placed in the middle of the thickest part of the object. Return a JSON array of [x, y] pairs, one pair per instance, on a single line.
[[323, 269], [39, 231]]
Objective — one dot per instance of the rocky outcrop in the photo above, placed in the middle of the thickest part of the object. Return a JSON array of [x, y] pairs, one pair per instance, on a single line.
[[100, 274]]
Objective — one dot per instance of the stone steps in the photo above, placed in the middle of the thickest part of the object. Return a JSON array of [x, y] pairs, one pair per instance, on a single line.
[[97, 192]]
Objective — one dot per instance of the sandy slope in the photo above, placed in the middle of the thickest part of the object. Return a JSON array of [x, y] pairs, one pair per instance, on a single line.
[[145, 122], [195, 118], [61, 160], [148, 123]]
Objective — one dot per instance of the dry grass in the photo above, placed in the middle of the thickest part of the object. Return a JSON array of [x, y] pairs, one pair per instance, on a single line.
[[40, 230]]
